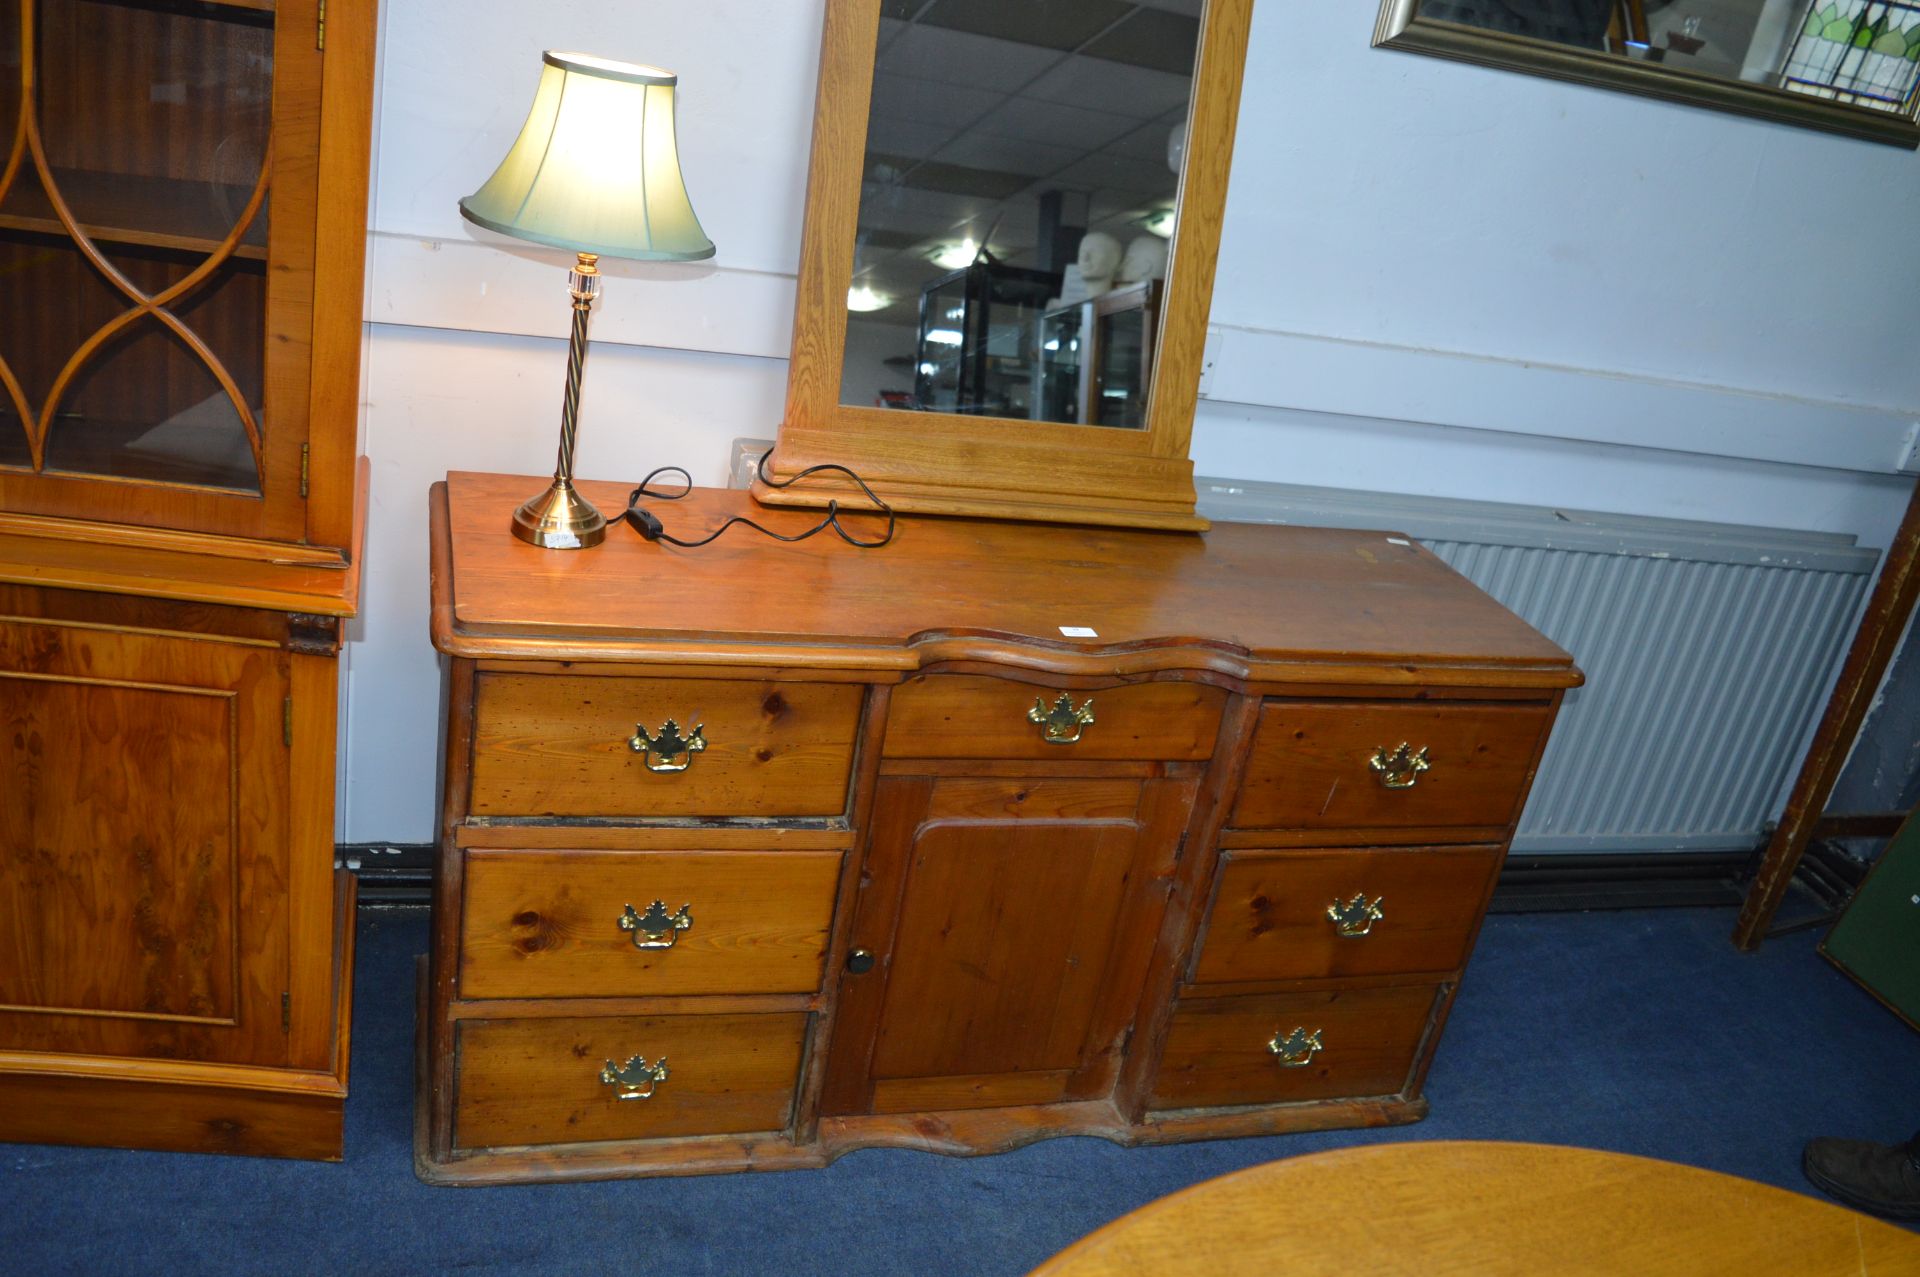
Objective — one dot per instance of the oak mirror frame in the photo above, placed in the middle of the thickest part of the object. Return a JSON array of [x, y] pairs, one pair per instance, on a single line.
[[986, 466], [1667, 49]]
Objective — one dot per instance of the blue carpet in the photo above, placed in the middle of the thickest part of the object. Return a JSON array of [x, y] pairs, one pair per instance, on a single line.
[[1640, 1032]]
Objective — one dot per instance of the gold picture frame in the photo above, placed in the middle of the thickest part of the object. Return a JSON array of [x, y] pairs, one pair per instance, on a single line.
[[1402, 27]]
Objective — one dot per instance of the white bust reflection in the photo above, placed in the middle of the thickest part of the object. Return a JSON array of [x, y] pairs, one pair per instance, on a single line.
[[1099, 260], [1146, 258]]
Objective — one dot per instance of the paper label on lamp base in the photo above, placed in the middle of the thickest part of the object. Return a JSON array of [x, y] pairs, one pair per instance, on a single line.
[[562, 541]]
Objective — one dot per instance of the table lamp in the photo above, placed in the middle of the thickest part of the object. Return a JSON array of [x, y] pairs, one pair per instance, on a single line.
[[595, 170]]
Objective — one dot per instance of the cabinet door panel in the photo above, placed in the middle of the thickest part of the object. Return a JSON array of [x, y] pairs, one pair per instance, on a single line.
[[156, 328], [1013, 946], [142, 884]]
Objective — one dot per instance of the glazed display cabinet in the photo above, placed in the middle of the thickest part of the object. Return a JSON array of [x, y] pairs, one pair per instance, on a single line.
[[182, 221]]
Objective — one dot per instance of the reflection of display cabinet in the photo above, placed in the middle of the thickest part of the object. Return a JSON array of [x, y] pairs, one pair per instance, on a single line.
[[182, 223], [1093, 362], [974, 353]]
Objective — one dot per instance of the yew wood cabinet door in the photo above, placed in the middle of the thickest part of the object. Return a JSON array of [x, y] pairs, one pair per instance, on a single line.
[[145, 801], [1013, 919]]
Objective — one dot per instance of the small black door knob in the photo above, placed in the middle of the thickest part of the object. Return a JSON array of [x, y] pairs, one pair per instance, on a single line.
[[859, 962]]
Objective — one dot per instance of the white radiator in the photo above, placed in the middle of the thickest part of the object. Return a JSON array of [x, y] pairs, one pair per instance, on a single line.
[[1708, 649]]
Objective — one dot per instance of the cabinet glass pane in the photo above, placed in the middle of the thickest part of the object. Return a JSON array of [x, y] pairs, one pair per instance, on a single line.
[[132, 323], [1124, 370]]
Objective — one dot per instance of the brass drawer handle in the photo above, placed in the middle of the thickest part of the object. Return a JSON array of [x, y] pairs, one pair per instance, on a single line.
[[1352, 919], [1297, 1049], [1400, 768], [636, 1079], [667, 746], [1063, 723], [656, 928]]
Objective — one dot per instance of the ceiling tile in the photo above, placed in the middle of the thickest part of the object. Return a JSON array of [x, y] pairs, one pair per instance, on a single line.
[[1148, 142], [958, 179], [1055, 123], [1101, 85], [1107, 171], [905, 138], [955, 57], [1151, 38], [904, 208], [1052, 24], [1007, 154], [901, 97]]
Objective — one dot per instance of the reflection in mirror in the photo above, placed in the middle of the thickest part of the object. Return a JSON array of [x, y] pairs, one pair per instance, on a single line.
[[1018, 194], [1846, 66], [1862, 52]]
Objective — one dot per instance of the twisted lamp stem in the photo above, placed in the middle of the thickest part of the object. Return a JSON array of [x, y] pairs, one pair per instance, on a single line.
[[560, 518]]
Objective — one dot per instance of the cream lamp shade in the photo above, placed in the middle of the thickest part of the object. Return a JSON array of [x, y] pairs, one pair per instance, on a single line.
[[596, 168]]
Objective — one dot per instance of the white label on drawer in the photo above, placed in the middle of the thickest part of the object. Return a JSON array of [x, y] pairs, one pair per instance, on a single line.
[[1079, 631], [1398, 541]]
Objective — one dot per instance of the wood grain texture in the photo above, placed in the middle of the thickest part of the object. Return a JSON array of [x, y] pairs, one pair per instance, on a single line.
[[111, 1112], [1246, 600], [1489, 1209], [1310, 765], [960, 716], [143, 846], [546, 924], [1216, 1051], [1030, 911], [558, 746], [999, 468], [1269, 917], [538, 1081]]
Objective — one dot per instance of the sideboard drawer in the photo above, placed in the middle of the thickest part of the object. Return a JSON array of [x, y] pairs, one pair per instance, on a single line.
[[966, 716], [559, 924], [540, 1081], [566, 745], [1278, 1048], [1340, 765], [1283, 915]]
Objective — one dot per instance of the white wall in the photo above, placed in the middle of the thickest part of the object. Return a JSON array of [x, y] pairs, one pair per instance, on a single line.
[[1434, 279]]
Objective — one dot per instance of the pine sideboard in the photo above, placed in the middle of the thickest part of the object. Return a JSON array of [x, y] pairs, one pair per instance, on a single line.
[[758, 853]]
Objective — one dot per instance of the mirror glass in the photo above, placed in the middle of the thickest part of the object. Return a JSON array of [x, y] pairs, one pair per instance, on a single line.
[[1862, 52], [1017, 204]]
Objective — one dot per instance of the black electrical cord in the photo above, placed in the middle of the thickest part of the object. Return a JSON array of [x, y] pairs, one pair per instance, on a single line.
[[648, 524]]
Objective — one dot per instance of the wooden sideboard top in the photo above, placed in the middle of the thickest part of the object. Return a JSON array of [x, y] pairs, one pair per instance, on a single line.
[[1250, 601]]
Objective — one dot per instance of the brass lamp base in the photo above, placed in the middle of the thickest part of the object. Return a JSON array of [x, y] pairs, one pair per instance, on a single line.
[[560, 519]]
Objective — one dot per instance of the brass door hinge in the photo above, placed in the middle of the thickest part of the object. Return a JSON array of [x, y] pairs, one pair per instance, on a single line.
[[286, 722], [286, 1012], [320, 34], [306, 468]]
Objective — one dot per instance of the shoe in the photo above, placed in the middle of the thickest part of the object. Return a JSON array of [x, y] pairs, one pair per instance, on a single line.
[[1883, 1179]]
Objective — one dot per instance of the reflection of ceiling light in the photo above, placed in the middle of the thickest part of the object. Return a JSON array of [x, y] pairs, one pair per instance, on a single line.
[[863, 299], [944, 336], [1159, 222], [954, 256]]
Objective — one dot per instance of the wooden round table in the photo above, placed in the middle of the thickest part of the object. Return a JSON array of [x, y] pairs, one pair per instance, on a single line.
[[1487, 1209]]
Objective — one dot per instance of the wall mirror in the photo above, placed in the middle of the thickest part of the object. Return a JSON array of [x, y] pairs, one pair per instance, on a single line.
[[1013, 213], [1849, 66]]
